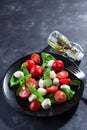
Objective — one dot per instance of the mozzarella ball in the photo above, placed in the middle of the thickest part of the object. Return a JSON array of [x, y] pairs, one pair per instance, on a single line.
[[19, 74], [32, 97], [65, 86], [46, 104], [41, 83], [56, 81], [52, 74], [50, 63], [43, 91]]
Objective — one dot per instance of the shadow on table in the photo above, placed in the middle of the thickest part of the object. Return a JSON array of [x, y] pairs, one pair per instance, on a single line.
[[84, 100], [18, 121], [58, 121]]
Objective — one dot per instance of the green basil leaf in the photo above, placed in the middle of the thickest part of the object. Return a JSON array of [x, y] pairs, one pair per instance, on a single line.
[[48, 82], [24, 69], [69, 93], [51, 97], [75, 83], [45, 58], [14, 81], [19, 89], [47, 72], [33, 90]]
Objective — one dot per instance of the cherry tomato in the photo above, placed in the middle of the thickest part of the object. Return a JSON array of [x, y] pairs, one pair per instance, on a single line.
[[36, 71], [58, 65], [52, 89], [36, 58], [65, 81], [31, 81], [60, 96], [29, 64], [24, 93], [62, 74], [35, 105]]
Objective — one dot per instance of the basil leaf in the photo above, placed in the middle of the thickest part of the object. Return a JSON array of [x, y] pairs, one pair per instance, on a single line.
[[33, 90], [75, 83], [19, 89], [24, 69], [14, 81], [51, 97], [45, 58], [47, 72], [69, 93], [48, 82]]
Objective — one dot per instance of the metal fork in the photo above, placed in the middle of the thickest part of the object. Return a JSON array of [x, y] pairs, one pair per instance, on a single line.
[[78, 73]]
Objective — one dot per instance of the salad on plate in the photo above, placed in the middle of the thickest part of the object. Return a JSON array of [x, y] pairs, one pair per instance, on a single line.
[[43, 81]]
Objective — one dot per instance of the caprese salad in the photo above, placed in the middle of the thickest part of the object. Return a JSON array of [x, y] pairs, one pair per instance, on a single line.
[[43, 81]]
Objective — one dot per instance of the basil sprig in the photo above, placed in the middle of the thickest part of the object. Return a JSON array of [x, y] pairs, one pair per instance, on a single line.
[[46, 57], [33, 90]]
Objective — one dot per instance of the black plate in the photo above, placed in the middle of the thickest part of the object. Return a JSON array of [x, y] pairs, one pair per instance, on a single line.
[[54, 110]]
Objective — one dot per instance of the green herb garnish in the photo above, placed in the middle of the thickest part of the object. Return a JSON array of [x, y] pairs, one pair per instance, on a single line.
[[33, 90], [16, 81], [45, 58], [75, 83]]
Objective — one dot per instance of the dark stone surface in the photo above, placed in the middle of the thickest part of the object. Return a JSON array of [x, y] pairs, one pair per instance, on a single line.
[[24, 29]]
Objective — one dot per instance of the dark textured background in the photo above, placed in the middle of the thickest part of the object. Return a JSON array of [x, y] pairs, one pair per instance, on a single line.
[[24, 28]]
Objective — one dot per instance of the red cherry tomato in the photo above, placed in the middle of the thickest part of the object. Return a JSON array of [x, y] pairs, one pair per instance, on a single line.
[[29, 64], [24, 93], [65, 81], [35, 105], [62, 74], [58, 65], [36, 58], [52, 89], [36, 71], [31, 81], [60, 96]]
